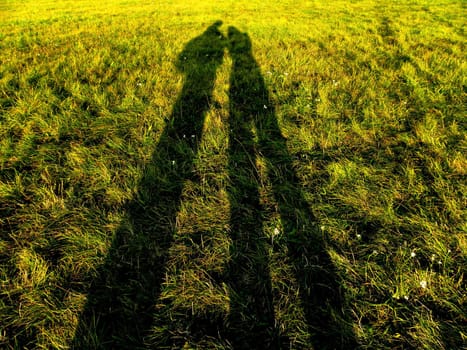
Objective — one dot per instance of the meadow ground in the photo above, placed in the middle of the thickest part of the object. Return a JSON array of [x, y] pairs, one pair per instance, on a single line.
[[291, 178]]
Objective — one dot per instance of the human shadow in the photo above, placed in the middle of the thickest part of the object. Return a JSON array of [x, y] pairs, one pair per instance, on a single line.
[[252, 315], [121, 299], [251, 319]]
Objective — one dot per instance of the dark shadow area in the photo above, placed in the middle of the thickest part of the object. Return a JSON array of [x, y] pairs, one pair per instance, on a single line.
[[251, 318], [118, 313], [252, 323], [120, 305]]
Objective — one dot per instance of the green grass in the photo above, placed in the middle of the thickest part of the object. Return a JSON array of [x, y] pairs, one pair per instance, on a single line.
[[293, 178]]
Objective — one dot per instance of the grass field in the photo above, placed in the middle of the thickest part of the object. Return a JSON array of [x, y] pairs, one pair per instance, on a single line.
[[233, 174]]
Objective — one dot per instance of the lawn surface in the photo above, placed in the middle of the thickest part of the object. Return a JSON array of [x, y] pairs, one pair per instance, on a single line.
[[233, 174]]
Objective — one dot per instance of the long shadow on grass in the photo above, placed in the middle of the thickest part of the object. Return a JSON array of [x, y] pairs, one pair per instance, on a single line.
[[118, 313], [252, 317]]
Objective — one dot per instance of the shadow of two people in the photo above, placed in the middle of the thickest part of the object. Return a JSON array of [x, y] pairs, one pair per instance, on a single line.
[[120, 306]]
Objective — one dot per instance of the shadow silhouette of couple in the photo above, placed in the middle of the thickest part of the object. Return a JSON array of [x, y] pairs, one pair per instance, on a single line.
[[120, 307]]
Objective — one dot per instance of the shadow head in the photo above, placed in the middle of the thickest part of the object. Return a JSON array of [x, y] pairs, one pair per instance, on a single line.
[[206, 51], [239, 43]]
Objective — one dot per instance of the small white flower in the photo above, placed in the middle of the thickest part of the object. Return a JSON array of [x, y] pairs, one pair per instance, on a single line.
[[192, 136], [439, 262], [412, 255], [317, 99], [433, 257], [449, 251], [359, 236], [139, 84], [406, 297], [265, 107], [323, 227], [173, 162], [375, 252], [286, 74], [276, 231], [423, 284], [184, 136]]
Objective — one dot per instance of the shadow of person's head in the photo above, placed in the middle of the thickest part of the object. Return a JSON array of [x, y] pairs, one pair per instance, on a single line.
[[248, 92], [206, 51], [239, 43]]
